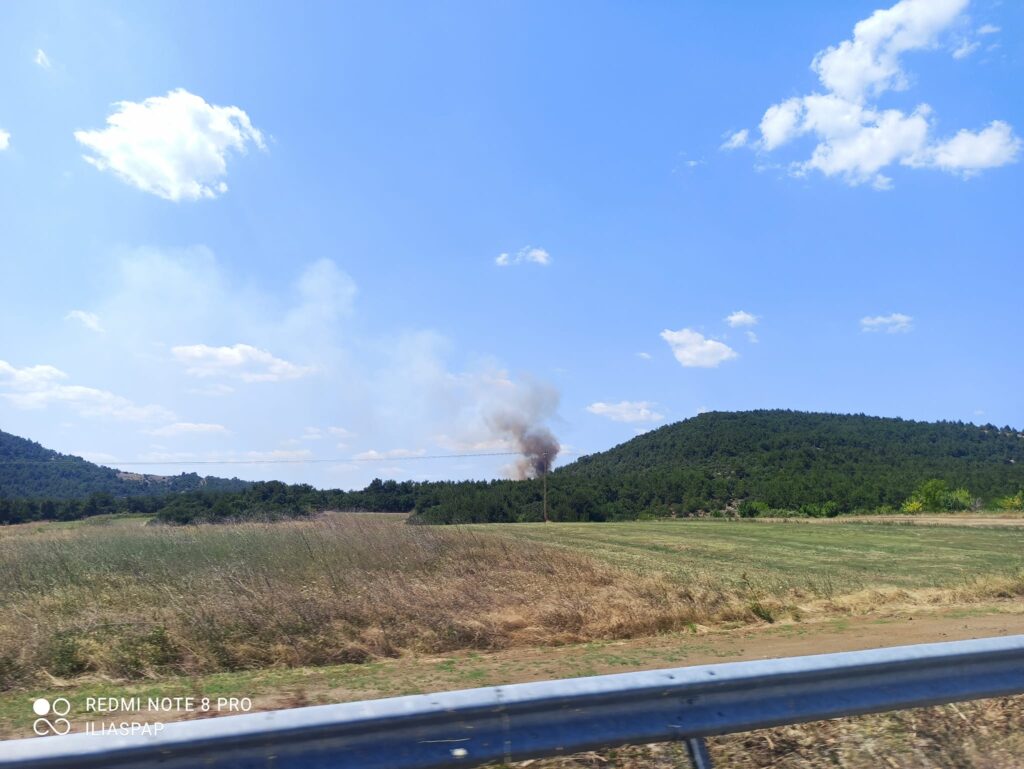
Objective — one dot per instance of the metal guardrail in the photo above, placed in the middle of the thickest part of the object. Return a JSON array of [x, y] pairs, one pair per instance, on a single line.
[[509, 723]]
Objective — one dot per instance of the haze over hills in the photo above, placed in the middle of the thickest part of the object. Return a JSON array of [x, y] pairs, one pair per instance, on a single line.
[[28, 470]]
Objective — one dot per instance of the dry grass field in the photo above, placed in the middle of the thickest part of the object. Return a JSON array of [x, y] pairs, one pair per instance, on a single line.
[[131, 602], [350, 607]]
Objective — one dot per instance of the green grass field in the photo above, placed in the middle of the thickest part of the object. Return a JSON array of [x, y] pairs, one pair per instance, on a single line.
[[823, 559]]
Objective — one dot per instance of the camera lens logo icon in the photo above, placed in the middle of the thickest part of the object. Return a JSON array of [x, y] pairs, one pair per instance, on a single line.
[[56, 711]]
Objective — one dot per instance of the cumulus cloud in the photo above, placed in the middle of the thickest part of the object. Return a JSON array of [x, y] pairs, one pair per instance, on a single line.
[[856, 140], [895, 323], [525, 255], [242, 361], [174, 146], [693, 350], [968, 152], [626, 411], [88, 319], [41, 59], [5, 140], [188, 428], [40, 386], [741, 318]]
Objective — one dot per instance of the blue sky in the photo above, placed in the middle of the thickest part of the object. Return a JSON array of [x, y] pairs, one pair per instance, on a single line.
[[238, 231]]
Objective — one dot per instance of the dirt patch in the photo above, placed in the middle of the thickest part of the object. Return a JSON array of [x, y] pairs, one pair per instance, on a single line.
[[951, 519]]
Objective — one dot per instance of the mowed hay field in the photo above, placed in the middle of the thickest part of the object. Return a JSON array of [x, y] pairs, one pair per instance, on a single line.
[[782, 557]]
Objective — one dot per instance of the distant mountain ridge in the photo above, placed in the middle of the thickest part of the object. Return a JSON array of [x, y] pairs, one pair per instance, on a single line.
[[31, 471]]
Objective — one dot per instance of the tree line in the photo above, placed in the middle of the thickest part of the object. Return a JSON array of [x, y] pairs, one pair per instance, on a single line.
[[718, 464]]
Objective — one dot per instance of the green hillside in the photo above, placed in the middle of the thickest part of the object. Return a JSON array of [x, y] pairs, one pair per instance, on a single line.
[[29, 471], [787, 445], [780, 460]]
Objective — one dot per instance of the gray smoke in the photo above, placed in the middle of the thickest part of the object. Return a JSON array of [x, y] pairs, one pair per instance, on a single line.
[[535, 442], [520, 418]]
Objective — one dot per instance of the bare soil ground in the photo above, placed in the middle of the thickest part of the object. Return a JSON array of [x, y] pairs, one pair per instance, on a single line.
[[946, 519]]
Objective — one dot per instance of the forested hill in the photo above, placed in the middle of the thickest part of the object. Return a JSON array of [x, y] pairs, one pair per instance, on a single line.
[[27, 470], [787, 443], [758, 461], [719, 463]]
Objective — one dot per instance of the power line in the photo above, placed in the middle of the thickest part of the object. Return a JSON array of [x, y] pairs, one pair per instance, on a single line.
[[278, 461]]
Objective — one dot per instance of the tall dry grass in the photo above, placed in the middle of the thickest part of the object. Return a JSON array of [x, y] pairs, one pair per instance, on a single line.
[[129, 603]]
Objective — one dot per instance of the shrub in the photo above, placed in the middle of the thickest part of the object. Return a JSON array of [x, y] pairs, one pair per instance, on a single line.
[[751, 508], [1016, 502], [936, 496]]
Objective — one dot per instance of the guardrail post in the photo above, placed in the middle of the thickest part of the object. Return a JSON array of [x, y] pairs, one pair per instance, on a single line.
[[698, 750]]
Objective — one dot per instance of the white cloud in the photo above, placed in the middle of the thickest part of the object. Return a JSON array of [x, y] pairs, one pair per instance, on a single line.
[[41, 59], [896, 323], [626, 411], [525, 255], [752, 337], [88, 319], [40, 386], [644, 355], [373, 455], [5, 140], [243, 361], [968, 153], [693, 350], [780, 123], [869, 64], [173, 146], [341, 432], [988, 29], [965, 49], [736, 140], [742, 318], [855, 139], [188, 428]]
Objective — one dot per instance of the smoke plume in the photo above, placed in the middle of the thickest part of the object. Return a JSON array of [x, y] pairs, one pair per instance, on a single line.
[[516, 414], [536, 443]]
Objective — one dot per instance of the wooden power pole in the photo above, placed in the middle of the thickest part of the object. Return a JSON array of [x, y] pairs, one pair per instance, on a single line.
[[545, 482]]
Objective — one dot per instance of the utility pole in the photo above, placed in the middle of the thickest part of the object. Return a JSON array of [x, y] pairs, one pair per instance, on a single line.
[[545, 482]]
